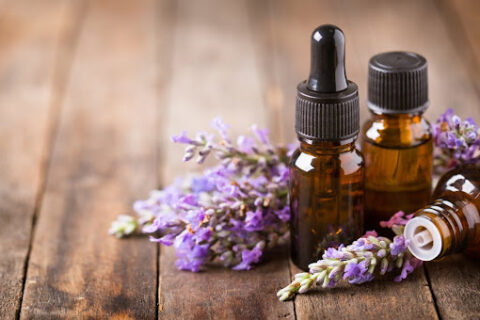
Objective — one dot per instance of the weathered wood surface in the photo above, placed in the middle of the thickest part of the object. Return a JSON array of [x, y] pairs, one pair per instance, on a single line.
[[220, 49], [119, 77], [463, 22], [34, 53], [103, 159]]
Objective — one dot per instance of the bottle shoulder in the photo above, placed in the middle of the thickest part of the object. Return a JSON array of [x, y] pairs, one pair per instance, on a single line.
[[350, 162], [397, 132], [465, 179]]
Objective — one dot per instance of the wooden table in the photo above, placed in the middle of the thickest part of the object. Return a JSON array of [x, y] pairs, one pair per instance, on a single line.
[[90, 91]]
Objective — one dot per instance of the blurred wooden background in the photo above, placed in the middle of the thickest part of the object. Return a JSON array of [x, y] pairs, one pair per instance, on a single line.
[[90, 91]]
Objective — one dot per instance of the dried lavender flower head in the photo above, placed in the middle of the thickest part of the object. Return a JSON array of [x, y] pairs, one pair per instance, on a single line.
[[231, 213], [457, 141]]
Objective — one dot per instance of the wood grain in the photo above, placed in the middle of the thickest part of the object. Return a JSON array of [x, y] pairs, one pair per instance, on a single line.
[[463, 24], [456, 283], [103, 159], [34, 42], [214, 73]]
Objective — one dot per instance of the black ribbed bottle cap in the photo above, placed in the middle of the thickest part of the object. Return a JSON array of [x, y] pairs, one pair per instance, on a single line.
[[327, 103], [397, 83]]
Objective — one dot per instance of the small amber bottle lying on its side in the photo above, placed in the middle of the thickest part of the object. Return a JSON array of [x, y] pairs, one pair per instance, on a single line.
[[397, 140], [326, 186], [451, 223]]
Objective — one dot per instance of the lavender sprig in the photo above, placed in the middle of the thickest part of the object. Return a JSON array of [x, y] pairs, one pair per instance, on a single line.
[[457, 141], [231, 213], [251, 153], [358, 262]]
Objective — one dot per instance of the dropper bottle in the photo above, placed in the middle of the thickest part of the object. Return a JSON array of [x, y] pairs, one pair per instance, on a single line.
[[327, 174], [451, 223]]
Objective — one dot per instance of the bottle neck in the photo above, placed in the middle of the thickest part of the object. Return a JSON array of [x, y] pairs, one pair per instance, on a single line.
[[443, 227], [395, 118], [327, 147]]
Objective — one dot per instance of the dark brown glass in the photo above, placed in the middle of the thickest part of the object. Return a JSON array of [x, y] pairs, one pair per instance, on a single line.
[[398, 165], [326, 198], [456, 210]]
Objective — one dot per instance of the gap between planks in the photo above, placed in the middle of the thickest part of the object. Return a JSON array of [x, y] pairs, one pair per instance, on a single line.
[[164, 11], [64, 54]]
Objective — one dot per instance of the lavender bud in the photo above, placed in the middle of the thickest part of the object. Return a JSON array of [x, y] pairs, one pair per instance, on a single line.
[[204, 152], [384, 266], [190, 149], [301, 276], [305, 285], [200, 159], [188, 156], [321, 276], [326, 281], [399, 262]]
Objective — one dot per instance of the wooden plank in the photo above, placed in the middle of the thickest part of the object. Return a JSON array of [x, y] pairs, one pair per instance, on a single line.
[[370, 27], [456, 284], [103, 159], [461, 17], [214, 73], [34, 42]]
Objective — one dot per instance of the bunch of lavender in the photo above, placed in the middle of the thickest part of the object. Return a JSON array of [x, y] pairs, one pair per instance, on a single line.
[[231, 213], [457, 141], [359, 262]]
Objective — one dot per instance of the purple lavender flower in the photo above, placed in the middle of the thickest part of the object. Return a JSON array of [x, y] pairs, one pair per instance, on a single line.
[[254, 220], [355, 270], [334, 253], [369, 233], [398, 218], [166, 240], [261, 134], [398, 246], [457, 141], [221, 127], [202, 184], [366, 277], [246, 144], [232, 212], [291, 147], [191, 256], [249, 257], [410, 264]]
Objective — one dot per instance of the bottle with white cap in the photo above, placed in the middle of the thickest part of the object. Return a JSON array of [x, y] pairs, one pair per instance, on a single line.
[[451, 223]]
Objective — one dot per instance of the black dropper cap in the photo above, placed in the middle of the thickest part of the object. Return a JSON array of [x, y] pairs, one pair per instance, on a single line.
[[397, 83], [327, 103]]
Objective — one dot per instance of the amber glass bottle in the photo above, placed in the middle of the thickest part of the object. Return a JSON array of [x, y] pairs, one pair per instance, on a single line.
[[397, 140], [326, 186], [451, 223]]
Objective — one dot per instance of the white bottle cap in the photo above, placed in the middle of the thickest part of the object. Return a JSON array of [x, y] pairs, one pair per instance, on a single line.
[[425, 238]]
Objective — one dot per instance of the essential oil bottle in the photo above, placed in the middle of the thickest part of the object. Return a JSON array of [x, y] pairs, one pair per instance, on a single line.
[[326, 186], [451, 223], [397, 139]]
